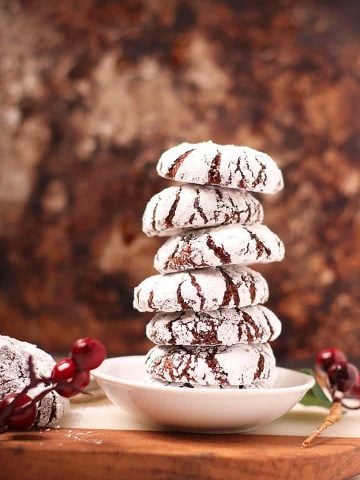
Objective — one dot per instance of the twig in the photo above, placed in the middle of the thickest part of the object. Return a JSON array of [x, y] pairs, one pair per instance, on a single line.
[[333, 416]]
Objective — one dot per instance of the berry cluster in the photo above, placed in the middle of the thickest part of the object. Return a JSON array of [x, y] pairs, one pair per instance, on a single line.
[[72, 374], [68, 378], [342, 377]]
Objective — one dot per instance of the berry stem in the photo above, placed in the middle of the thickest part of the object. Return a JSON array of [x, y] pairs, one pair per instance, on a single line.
[[333, 416]]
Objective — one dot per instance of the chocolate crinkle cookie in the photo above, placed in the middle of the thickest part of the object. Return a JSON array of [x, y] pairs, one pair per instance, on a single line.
[[235, 365], [227, 326], [175, 209], [211, 247], [14, 376], [231, 166], [201, 290]]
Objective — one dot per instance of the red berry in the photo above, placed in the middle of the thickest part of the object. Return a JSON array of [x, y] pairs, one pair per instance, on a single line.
[[79, 382], [327, 357], [342, 376], [64, 370], [19, 418], [88, 353]]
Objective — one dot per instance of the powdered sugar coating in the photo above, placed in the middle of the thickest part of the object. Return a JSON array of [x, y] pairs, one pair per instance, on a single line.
[[201, 290], [227, 326], [194, 206], [14, 375], [208, 163], [229, 244], [235, 365]]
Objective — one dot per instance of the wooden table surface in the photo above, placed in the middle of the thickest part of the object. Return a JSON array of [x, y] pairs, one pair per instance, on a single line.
[[139, 455]]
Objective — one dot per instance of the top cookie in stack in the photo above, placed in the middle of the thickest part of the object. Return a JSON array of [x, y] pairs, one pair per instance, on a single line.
[[219, 332]]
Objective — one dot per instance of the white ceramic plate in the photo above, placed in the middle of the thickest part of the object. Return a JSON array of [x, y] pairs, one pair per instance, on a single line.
[[201, 409]]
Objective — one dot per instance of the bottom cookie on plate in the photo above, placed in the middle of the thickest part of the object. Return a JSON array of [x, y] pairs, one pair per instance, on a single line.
[[238, 365]]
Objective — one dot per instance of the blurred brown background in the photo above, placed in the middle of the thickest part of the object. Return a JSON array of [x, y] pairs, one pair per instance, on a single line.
[[93, 91]]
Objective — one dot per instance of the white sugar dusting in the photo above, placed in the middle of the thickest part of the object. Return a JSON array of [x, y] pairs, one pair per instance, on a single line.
[[240, 362], [161, 292], [238, 166], [227, 332], [234, 244], [220, 327], [236, 365], [195, 206]]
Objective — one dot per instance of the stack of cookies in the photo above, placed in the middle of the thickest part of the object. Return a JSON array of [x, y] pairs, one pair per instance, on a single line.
[[211, 327]]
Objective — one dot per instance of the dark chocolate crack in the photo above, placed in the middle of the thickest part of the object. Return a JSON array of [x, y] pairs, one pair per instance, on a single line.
[[219, 195], [38, 414], [182, 258], [53, 411], [172, 211], [191, 219], [241, 183], [153, 223], [248, 166], [198, 208], [177, 164], [249, 335], [138, 296], [151, 300], [199, 292], [236, 213], [184, 371], [250, 321], [170, 258], [232, 202], [181, 301], [260, 246], [231, 291], [249, 212], [214, 172], [250, 283], [261, 176], [269, 325], [171, 327], [214, 365], [219, 251], [260, 366]]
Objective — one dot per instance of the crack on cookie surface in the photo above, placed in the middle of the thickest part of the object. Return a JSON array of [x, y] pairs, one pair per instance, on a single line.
[[214, 177], [219, 251], [199, 293], [172, 210], [231, 291], [177, 164]]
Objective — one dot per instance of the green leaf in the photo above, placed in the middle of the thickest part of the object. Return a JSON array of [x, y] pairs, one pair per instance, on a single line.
[[315, 397]]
